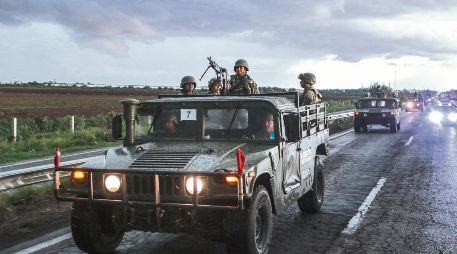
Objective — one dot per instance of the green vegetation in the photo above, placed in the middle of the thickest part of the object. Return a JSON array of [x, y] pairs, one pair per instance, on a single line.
[[335, 106], [24, 196], [40, 136]]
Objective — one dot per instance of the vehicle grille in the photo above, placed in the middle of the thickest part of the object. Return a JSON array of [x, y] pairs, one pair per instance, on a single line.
[[163, 160], [140, 187]]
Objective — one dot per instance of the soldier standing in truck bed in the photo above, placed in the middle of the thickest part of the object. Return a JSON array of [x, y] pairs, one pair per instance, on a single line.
[[241, 83], [214, 86], [188, 85], [310, 95]]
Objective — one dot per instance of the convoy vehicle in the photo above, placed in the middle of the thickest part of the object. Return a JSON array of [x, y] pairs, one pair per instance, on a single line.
[[217, 172], [443, 114], [414, 103], [382, 111]]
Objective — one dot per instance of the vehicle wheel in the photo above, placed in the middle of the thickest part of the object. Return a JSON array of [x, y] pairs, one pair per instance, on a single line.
[[393, 127], [398, 126], [407, 110], [250, 232], [312, 201], [422, 109], [364, 128], [96, 229], [357, 128]]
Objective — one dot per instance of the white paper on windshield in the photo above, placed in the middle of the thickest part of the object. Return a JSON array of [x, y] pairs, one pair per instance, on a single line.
[[188, 114]]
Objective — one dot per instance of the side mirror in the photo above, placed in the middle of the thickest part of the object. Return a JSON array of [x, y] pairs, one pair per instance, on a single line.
[[116, 129], [292, 127]]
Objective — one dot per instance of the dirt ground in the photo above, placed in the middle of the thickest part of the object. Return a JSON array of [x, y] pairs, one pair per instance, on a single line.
[[33, 220]]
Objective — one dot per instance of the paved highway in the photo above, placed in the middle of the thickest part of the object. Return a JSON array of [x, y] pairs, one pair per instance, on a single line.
[[384, 193]]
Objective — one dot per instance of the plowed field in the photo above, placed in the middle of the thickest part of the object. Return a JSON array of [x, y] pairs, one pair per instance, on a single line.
[[57, 102]]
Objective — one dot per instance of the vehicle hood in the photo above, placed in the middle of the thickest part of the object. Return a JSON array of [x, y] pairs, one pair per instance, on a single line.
[[182, 156]]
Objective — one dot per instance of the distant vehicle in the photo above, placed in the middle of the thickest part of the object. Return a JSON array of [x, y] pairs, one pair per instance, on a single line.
[[382, 111], [222, 165], [443, 115], [414, 103], [444, 103]]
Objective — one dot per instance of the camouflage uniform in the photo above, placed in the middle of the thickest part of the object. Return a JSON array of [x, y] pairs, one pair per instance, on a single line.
[[242, 85], [212, 82], [185, 80], [309, 96]]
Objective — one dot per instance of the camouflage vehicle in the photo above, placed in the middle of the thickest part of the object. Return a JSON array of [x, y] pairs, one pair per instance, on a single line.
[[214, 174], [383, 111]]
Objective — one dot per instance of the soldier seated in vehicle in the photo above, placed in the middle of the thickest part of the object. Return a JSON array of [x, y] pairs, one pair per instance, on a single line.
[[170, 126], [267, 130]]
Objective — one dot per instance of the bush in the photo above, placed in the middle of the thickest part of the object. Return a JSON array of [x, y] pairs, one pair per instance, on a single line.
[[5, 210], [43, 125]]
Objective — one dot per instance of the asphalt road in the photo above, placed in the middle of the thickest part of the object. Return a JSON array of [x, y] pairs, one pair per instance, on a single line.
[[384, 193]]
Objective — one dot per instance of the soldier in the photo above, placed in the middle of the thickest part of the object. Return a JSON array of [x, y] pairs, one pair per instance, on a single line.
[[310, 95], [188, 85], [267, 130], [241, 83], [214, 86], [379, 92]]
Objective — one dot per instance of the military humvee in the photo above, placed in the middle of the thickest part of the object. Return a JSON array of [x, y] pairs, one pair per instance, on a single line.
[[413, 103], [382, 111], [218, 172]]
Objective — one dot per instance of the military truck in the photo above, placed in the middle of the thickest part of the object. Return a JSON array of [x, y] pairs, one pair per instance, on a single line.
[[382, 111], [413, 103], [218, 173]]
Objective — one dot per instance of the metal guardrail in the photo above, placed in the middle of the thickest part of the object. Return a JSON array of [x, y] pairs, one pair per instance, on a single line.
[[340, 114], [23, 177]]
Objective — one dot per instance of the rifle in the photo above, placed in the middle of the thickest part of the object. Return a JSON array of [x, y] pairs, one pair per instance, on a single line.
[[221, 74]]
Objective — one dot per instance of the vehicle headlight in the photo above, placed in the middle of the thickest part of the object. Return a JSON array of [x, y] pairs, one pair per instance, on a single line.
[[435, 116], [452, 117], [190, 185], [365, 115], [112, 182], [409, 104]]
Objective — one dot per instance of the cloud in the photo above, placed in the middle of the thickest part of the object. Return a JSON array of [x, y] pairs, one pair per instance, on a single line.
[[351, 30]]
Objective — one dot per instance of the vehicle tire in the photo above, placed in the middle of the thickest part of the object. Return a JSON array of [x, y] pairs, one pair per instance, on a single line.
[[393, 127], [96, 228], [407, 110], [311, 202], [422, 109], [357, 128], [364, 128], [398, 126], [250, 232]]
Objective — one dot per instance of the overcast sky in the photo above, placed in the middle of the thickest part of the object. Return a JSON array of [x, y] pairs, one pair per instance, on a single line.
[[347, 44]]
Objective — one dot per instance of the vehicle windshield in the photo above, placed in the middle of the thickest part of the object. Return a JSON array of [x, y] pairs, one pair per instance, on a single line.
[[377, 103], [231, 123]]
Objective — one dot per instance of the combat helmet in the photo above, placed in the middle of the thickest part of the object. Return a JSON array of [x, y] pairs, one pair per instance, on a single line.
[[308, 78], [213, 82], [243, 63], [188, 79]]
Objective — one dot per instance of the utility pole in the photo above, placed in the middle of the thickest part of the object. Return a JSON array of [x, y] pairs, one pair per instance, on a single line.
[[395, 80]]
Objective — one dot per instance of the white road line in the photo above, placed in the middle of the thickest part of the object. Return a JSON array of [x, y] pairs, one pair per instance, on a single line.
[[409, 141], [355, 221], [45, 244]]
